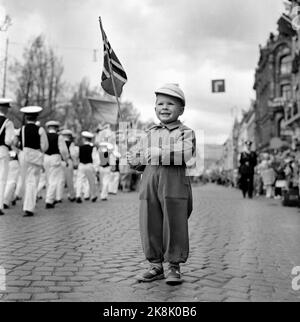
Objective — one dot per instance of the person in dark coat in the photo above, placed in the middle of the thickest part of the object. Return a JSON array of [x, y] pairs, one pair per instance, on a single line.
[[248, 162]]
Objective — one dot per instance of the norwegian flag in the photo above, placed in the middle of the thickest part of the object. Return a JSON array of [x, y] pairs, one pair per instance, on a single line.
[[113, 75]]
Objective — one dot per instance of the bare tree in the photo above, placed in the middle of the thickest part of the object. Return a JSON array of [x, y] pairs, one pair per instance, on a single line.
[[38, 78]]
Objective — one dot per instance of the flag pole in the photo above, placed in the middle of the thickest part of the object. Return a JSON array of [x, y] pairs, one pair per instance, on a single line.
[[120, 118]]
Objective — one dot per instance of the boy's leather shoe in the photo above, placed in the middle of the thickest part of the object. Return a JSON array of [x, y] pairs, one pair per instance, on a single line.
[[174, 276], [153, 274]]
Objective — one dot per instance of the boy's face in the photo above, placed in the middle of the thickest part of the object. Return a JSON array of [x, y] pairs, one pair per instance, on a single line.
[[168, 108]]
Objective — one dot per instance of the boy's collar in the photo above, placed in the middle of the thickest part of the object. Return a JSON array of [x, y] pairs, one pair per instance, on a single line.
[[170, 126]]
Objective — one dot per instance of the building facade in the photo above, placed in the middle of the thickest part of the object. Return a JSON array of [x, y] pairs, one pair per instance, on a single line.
[[273, 86], [292, 110]]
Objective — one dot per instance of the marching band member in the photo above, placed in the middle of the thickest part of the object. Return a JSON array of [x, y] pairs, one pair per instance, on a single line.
[[34, 143], [69, 164], [105, 150], [88, 158], [13, 173], [53, 164], [7, 134], [115, 173]]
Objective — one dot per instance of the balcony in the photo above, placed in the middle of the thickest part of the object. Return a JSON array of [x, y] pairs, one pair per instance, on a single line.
[[292, 113], [278, 104]]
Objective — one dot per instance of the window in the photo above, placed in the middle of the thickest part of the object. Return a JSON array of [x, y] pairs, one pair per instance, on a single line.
[[286, 65], [281, 127], [295, 108], [286, 91]]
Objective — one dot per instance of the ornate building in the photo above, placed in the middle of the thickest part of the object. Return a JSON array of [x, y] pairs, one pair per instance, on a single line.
[[273, 86], [292, 110]]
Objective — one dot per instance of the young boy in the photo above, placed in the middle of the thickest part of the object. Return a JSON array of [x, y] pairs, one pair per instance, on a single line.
[[34, 143], [7, 134], [56, 153], [88, 159], [165, 190], [69, 164]]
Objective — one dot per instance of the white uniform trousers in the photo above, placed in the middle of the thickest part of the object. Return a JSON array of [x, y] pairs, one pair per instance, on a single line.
[[42, 183], [4, 166], [21, 181], [55, 176], [12, 180], [105, 177], [86, 188], [114, 182], [31, 176], [69, 178], [86, 172]]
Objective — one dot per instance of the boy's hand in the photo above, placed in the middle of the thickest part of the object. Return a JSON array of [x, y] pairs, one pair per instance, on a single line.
[[152, 154]]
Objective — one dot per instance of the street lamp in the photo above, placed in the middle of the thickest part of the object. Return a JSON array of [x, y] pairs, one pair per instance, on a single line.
[[4, 25]]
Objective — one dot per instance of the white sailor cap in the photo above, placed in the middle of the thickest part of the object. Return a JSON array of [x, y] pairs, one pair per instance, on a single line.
[[66, 132], [106, 145], [5, 102], [31, 109], [52, 123], [87, 135]]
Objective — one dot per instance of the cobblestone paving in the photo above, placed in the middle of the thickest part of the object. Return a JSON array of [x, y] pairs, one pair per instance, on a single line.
[[241, 250]]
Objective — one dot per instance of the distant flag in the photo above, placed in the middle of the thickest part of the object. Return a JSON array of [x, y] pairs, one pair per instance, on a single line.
[[218, 86], [285, 26], [295, 17], [104, 110], [113, 75], [287, 6]]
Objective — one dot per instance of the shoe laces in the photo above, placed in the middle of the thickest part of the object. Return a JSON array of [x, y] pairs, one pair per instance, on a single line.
[[155, 267], [174, 269]]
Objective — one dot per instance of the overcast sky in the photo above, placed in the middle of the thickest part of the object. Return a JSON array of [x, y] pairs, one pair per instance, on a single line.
[[189, 42]]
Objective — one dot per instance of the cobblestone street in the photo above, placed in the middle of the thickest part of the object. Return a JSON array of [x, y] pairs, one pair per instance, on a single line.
[[240, 250]]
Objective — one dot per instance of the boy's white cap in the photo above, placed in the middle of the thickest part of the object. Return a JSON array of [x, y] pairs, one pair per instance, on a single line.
[[66, 132], [5, 102], [87, 134], [52, 123], [172, 90], [31, 109]]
